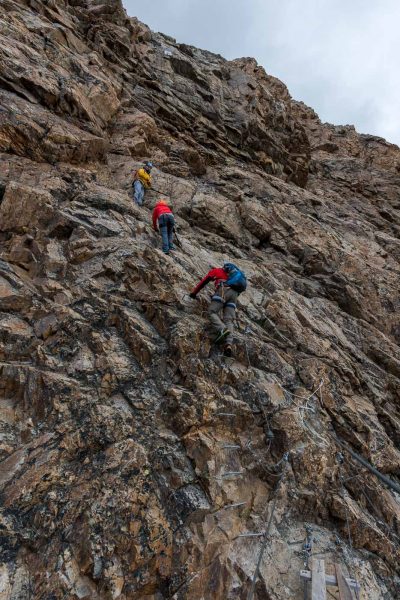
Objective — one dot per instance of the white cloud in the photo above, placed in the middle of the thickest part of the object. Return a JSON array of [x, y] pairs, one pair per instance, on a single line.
[[339, 56]]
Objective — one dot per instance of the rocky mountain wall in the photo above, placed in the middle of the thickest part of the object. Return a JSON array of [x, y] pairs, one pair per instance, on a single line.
[[135, 458]]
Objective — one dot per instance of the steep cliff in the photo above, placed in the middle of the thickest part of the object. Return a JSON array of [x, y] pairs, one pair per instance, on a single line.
[[121, 425]]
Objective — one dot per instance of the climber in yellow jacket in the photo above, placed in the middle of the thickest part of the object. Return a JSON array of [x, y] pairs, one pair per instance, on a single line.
[[142, 182]]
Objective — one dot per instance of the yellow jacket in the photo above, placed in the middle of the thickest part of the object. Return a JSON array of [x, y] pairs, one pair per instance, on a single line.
[[144, 177]]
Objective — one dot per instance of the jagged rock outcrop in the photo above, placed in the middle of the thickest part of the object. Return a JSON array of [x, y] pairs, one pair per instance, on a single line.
[[112, 439]]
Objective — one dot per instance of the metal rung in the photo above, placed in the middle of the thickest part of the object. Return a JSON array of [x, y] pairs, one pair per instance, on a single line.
[[231, 447], [226, 414], [231, 473], [234, 505], [251, 534]]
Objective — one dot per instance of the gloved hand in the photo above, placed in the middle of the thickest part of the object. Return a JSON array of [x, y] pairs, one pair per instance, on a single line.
[[191, 295]]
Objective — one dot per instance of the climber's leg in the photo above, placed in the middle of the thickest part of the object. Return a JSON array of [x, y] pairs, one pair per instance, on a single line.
[[171, 225], [229, 312], [163, 226], [214, 311], [138, 192]]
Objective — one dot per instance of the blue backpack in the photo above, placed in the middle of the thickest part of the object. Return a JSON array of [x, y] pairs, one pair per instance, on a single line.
[[236, 278]]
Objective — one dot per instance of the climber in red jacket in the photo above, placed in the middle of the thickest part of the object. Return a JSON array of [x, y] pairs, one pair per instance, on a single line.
[[163, 220], [217, 275], [223, 299]]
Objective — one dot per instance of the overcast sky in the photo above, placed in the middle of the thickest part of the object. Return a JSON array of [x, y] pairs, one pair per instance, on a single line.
[[341, 57]]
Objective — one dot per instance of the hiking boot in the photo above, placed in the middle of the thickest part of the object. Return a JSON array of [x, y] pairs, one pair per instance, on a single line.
[[228, 350], [221, 336], [166, 251], [172, 247]]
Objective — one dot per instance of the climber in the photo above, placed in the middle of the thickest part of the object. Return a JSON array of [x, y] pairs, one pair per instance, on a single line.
[[163, 219], [230, 281], [141, 181]]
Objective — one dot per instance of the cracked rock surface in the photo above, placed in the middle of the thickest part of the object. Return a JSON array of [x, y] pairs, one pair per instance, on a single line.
[[125, 437]]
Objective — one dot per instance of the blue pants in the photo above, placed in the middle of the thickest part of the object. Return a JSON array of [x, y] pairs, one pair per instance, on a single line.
[[138, 192], [166, 224]]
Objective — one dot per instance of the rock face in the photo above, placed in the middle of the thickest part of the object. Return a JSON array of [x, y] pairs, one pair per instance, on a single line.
[[117, 416]]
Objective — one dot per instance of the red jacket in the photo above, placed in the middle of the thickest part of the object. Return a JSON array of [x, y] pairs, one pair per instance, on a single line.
[[216, 275], [159, 209]]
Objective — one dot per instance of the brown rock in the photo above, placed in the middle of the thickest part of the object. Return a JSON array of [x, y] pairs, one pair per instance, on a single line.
[[134, 456]]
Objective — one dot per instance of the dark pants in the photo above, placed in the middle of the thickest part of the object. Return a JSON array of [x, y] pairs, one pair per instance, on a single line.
[[166, 224], [223, 304]]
